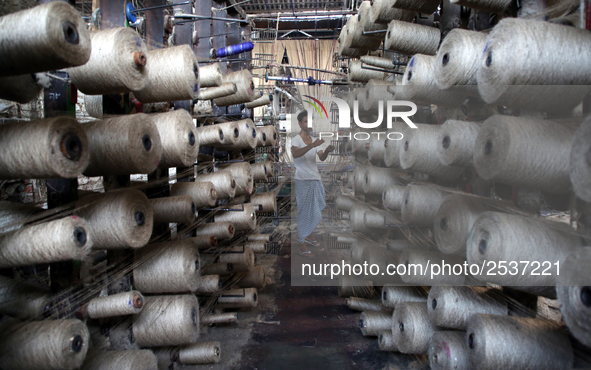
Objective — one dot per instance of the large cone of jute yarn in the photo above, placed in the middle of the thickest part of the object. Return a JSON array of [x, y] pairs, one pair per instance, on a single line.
[[419, 153], [574, 294], [174, 209], [393, 295], [525, 152], [122, 360], [393, 197], [118, 63], [202, 193], [372, 323], [411, 328], [123, 145], [447, 351], [217, 92], [382, 11], [506, 237], [364, 18], [21, 89], [519, 343], [48, 148], [47, 37], [244, 89], [580, 162], [421, 203], [210, 75], [43, 345], [344, 45], [452, 306], [223, 181], [117, 219], [244, 219], [242, 175], [178, 135], [456, 216], [456, 142], [247, 138], [356, 38], [376, 91], [412, 38], [377, 179], [174, 75], [218, 134], [538, 77]]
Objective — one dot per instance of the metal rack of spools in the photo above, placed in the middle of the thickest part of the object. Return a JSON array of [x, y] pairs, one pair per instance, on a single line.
[[124, 273], [496, 173]]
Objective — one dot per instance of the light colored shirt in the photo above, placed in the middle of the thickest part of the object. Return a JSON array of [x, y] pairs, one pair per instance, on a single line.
[[306, 167]]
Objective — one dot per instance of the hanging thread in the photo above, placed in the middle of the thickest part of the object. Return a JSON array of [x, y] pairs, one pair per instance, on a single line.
[[60, 240], [47, 37], [210, 75], [117, 219], [118, 63], [412, 38], [121, 360], [174, 209], [244, 89], [372, 323], [48, 148], [22, 300], [238, 298], [123, 145], [174, 75], [126, 303], [200, 353], [580, 162], [456, 140], [421, 203], [167, 321], [525, 152], [21, 89], [411, 328], [221, 230], [178, 136], [203, 194], [447, 351]]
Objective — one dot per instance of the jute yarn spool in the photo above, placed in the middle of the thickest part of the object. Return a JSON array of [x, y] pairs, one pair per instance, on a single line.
[[204, 242], [203, 194], [393, 196], [238, 298], [257, 246], [242, 175], [44, 345], [525, 152], [223, 181], [382, 11], [376, 91], [21, 89], [177, 209], [259, 102], [268, 201], [378, 62], [458, 58], [220, 318], [447, 351], [247, 138], [491, 6], [376, 147], [244, 89], [357, 217], [412, 38], [210, 75], [48, 148], [392, 147], [171, 267], [452, 306], [123, 360], [259, 170], [346, 51], [123, 145], [350, 286], [393, 295], [117, 219], [358, 178], [419, 153], [456, 140], [261, 137], [418, 84], [241, 257], [207, 284], [537, 78], [65, 239], [345, 202], [217, 92], [22, 300], [200, 353], [372, 323], [167, 321], [178, 136], [506, 237], [254, 278], [421, 203], [456, 216], [218, 134], [356, 38], [221, 230], [126, 303], [580, 162], [377, 179], [411, 328], [421, 6], [174, 75], [375, 219], [423, 261], [363, 304], [509, 342], [118, 63], [267, 238], [574, 295], [364, 15], [44, 38], [220, 268], [386, 341], [346, 239], [269, 131], [94, 105], [359, 74], [14, 215]]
